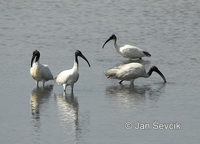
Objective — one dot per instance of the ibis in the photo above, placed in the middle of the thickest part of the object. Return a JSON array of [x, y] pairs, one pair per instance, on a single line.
[[39, 96], [128, 51], [69, 77], [131, 71], [39, 72]]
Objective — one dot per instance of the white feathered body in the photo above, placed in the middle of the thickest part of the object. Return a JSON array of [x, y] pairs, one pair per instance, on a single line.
[[68, 77], [40, 72], [127, 72], [132, 52]]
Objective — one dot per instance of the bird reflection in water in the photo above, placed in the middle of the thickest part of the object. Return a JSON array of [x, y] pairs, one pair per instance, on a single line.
[[68, 112], [39, 96], [129, 95]]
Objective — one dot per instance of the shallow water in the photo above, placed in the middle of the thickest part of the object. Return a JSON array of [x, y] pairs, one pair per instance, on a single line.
[[100, 108]]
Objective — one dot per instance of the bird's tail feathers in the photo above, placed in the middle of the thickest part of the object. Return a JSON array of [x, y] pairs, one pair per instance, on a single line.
[[111, 73], [147, 53]]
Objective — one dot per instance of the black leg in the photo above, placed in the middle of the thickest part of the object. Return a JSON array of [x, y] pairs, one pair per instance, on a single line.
[[121, 82]]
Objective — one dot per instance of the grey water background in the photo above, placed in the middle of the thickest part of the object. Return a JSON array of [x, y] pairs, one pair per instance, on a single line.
[[99, 108]]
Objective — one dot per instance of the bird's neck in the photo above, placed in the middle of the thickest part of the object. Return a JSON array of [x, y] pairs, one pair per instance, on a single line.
[[37, 58], [115, 45], [150, 72], [37, 62], [75, 67]]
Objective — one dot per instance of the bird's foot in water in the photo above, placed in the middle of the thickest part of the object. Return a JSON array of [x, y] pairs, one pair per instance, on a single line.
[[132, 83]]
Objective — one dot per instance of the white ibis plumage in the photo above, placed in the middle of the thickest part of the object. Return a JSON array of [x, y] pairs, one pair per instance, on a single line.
[[39, 72], [128, 51], [69, 77], [131, 71]]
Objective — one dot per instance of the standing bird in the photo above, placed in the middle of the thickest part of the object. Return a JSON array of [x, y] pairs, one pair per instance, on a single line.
[[69, 77], [131, 71], [39, 72], [128, 51]]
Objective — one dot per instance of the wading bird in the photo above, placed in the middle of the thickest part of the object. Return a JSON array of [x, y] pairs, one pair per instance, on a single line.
[[131, 71], [69, 77], [128, 51], [39, 72]]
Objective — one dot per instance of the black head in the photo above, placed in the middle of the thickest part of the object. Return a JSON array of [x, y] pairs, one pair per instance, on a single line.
[[36, 54], [79, 53], [155, 69], [112, 37]]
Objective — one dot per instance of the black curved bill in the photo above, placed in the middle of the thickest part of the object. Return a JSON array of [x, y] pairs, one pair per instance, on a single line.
[[163, 77], [85, 59], [33, 57], [106, 42]]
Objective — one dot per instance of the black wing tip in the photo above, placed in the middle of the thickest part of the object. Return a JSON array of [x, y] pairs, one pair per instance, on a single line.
[[147, 53]]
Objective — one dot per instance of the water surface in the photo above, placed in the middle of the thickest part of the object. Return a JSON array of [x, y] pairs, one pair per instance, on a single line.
[[99, 108]]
